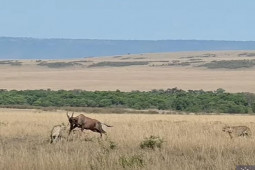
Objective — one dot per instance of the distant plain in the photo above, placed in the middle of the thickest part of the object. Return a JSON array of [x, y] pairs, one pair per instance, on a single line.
[[134, 72]]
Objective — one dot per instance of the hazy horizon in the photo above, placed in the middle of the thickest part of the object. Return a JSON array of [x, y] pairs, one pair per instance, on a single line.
[[32, 48], [65, 38]]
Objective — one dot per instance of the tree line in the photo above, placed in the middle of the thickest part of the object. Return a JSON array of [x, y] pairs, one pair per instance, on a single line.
[[217, 101]]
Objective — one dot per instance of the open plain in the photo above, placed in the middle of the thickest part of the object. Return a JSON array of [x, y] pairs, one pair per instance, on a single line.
[[134, 72]]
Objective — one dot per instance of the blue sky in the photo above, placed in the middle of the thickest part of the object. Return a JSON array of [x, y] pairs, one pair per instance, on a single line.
[[129, 19]]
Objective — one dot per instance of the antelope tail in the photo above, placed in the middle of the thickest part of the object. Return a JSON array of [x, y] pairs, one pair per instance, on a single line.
[[106, 125]]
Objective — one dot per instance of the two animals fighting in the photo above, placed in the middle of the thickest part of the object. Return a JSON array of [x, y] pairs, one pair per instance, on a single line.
[[82, 122]]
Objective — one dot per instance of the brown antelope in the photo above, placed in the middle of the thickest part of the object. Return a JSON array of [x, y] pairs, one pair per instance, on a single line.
[[84, 122]]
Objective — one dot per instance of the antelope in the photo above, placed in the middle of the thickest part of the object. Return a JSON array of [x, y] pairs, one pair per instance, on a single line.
[[84, 122]]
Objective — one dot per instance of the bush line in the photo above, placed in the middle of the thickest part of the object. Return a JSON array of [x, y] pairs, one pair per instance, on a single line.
[[195, 101]]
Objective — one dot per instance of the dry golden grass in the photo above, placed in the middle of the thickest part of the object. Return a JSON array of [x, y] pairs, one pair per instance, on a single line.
[[190, 142], [31, 76]]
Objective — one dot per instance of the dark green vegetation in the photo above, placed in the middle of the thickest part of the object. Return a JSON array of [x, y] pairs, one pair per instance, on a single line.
[[201, 56], [179, 63], [229, 64], [58, 64], [132, 161], [152, 142], [247, 55], [11, 62], [118, 64], [171, 99]]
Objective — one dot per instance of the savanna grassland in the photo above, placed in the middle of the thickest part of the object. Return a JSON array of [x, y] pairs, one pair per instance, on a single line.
[[189, 142]]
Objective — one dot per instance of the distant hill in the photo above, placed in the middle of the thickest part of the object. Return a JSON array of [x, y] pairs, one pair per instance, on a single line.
[[31, 48]]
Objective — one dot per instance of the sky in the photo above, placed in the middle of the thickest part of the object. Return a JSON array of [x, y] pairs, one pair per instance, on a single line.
[[129, 19]]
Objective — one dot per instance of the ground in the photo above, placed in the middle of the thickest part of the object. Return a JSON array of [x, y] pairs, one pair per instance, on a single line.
[[190, 142], [154, 71]]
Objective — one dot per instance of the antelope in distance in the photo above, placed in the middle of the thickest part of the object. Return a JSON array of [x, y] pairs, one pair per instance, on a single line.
[[84, 122]]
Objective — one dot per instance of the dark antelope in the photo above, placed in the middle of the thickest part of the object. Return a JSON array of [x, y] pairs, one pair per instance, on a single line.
[[84, 122]]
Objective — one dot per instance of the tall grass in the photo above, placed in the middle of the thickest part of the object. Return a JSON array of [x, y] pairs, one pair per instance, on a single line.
[[190, 142]]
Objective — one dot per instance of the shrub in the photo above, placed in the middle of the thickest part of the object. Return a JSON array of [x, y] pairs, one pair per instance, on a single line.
[[107, 145], [112, 145], [58, 64], [118, 64], [152, 142], [229, 64], [253, 107], [132, 161], [3, 123], [11, 62]]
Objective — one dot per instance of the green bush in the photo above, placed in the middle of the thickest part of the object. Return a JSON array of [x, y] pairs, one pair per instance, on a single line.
[[118, 64], [132, 161], [152, 142], [253, 107], [58, 64], [229, 64]]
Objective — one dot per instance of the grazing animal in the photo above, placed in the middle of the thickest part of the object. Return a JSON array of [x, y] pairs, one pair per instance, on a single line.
[[57, 133], [84, 122], [237, 131]]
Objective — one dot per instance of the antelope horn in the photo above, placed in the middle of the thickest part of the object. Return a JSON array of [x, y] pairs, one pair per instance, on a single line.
[[67, 115], [72, 114]]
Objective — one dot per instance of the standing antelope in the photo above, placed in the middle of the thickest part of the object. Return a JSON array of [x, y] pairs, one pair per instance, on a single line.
[[84, 122]]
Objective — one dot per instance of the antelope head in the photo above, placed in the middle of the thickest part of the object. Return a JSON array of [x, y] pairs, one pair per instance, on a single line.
[[71, 119]]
